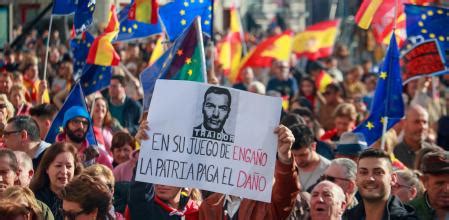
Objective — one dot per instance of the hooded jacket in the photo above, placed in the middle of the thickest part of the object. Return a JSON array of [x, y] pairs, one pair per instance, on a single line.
[[394, 210]]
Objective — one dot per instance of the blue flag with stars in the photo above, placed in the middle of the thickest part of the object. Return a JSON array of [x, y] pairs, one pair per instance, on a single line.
[[83, 15], [387, 101], [131, 29], [80, 49], [428, 22], [179, 14], [95, 78], [63, 7], [75, 98]]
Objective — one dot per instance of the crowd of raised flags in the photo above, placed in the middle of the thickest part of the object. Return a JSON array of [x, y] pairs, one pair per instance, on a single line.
[[185, 59]]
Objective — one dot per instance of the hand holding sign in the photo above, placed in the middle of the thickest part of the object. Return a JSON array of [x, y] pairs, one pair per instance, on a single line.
[[142, 132], [285, 142], [213, 138]]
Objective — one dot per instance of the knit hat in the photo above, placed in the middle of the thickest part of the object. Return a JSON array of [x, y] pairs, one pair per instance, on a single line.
[[351, 144], [73, 112]]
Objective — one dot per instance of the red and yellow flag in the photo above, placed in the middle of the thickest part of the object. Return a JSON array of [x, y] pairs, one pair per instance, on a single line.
[[378, 11], [102, 52], [317, 41], [278, 47], [231, 47], [144, 11]]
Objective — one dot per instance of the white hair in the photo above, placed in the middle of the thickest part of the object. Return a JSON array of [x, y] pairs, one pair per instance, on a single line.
[[348, 164], [337, 191]]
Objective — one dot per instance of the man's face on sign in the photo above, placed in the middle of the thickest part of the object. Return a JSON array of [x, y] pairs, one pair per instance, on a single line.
[[216, 109]]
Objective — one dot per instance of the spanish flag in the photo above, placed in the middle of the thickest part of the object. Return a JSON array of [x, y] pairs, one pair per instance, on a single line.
[[102, 52], [144, 11], [317, 41], [231, 47], [277, 47]]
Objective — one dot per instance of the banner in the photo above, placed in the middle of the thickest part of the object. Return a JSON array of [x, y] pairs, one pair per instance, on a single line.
[[212, 138], [424, 59]]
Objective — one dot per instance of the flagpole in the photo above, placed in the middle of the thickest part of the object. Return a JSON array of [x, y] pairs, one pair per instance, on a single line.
[[200, 42], [333, 11], [242, 36], [48, 45]]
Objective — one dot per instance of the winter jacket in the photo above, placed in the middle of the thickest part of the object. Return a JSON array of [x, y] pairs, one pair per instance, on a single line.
[[423, 208], [283, 198], [53, 202], [394, 210]]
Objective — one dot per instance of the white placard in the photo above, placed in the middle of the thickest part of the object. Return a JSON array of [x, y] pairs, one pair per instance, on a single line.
[[212, 138]]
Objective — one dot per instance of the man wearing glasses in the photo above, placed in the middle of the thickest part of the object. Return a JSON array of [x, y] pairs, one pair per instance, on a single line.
[[22, 134], [76, 124], [342, 171]]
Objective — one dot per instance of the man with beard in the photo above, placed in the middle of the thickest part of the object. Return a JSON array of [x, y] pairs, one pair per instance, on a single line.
[[374, 179], [310, 164], [76, 124], [434, 204], [327, 201]]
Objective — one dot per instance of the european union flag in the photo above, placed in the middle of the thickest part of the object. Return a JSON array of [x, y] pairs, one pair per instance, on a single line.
[[63, 7], [387, 101], [95, 78], [131, 29], [83, 15], [80, 49], [179, 14], [428, 22], [75, 98]]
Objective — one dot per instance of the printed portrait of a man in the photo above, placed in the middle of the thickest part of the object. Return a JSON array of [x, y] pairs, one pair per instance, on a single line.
[[216, 108]]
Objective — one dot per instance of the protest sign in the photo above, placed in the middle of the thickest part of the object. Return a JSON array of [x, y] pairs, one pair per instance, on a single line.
[[212, 138], [424, 59]]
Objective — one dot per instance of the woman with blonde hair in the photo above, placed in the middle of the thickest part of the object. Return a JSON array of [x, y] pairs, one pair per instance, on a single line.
[[25, 196], [18, 99], [6, 109], [6, 112], [14, 210]]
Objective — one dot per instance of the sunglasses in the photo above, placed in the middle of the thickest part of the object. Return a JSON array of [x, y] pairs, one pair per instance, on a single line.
[[332, 178], [71, 215]]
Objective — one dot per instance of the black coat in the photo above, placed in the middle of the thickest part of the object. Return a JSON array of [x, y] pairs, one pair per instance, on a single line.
[[50, 199], [395, 210]]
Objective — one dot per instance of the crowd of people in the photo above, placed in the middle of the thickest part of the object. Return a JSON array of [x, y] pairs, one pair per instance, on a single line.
[[323, 170]]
